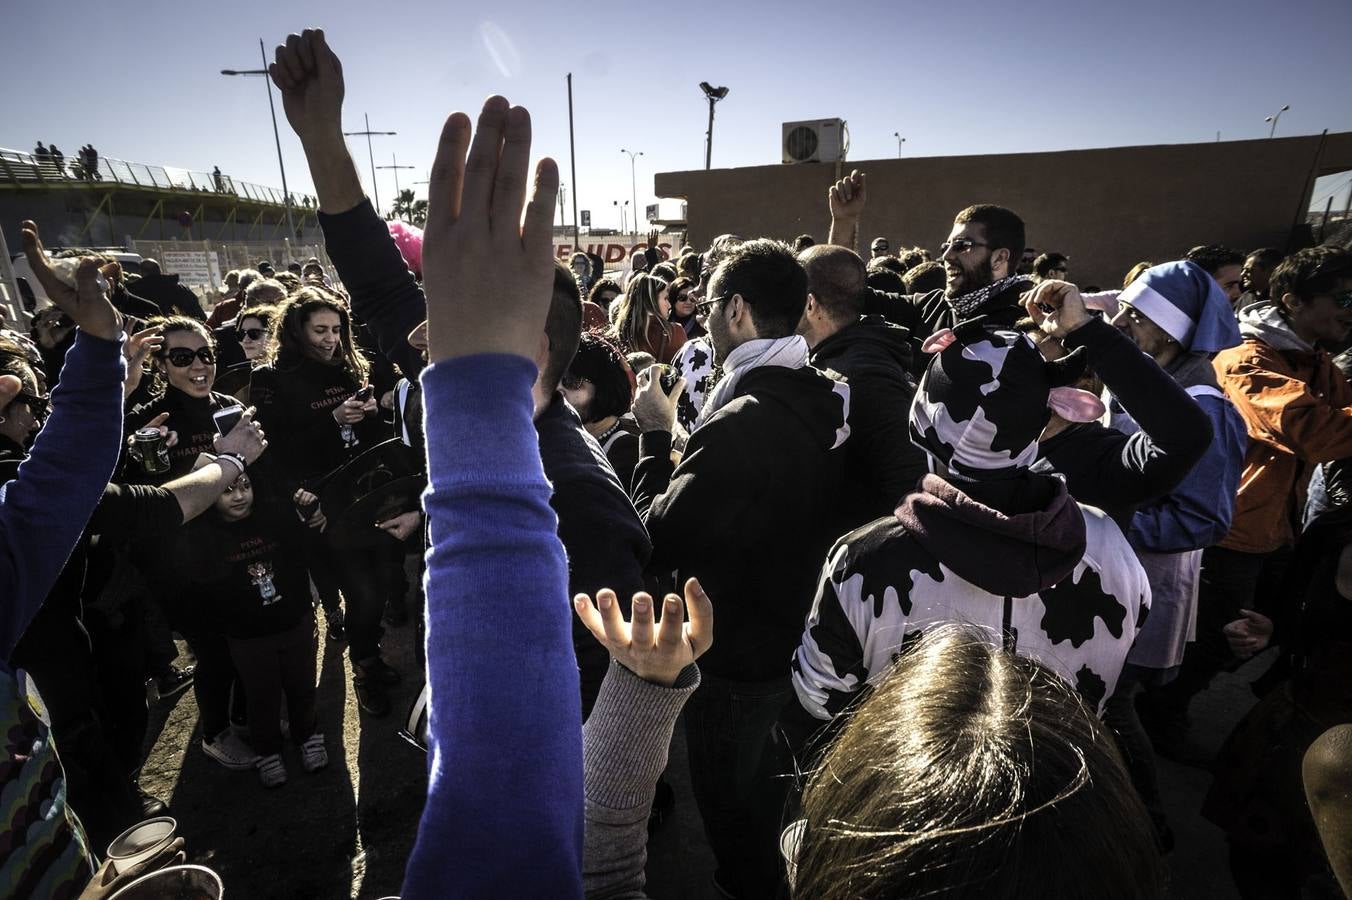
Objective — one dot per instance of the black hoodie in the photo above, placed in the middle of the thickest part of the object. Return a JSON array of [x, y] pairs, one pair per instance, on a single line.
[[883, 465], [751, 510], [1060, 585]]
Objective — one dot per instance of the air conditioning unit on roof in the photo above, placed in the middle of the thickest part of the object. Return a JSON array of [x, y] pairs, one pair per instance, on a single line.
[[818, 140]]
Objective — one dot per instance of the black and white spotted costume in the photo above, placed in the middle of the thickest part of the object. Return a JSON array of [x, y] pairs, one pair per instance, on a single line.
[[1058, 584]]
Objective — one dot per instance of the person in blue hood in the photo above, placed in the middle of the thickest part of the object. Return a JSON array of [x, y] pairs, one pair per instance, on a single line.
[[1179, 316]]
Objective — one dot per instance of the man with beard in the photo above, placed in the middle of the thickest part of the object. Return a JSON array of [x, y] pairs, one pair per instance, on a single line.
[[980, 258], [750, 510]]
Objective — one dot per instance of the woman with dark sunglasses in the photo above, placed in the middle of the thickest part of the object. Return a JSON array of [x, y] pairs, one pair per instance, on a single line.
[[683, 312], [182, 400]]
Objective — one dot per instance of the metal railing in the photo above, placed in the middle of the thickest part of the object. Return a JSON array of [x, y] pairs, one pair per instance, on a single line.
[[20, 169]]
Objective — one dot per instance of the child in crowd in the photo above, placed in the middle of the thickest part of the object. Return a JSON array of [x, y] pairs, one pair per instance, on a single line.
[[244, 565]]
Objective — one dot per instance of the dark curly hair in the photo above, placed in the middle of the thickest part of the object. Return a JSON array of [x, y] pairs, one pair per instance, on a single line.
[[601, 363], [1314, 270]]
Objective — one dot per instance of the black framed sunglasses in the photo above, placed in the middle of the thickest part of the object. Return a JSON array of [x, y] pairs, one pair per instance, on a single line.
[[38, 406], [182, 357], [572, 382], [254, 334], [704, 306], [1342, 298], [962, 245]]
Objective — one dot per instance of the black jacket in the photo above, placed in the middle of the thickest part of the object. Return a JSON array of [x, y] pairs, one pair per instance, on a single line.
[[1106, 468], [606, 543], [189, 417], [924, 314], [172, 298], [295, 401], [883, 464], [751, 511]]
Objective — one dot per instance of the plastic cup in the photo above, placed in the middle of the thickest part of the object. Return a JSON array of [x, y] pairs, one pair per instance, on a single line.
[[174, 883], [140, 842]]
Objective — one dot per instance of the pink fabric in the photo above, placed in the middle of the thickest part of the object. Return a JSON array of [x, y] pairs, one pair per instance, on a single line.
[[409, 239]]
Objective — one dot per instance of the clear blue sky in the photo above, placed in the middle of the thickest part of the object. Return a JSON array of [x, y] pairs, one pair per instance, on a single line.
[[953, 78]]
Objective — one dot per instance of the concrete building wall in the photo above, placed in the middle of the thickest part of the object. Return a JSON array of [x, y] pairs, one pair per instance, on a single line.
[[1107, 209]]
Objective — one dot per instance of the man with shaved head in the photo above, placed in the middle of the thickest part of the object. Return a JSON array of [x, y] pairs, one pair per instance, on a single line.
[[873, 357]]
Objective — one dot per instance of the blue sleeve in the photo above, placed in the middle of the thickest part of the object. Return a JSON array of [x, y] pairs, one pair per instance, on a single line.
[[504, 813], [45, 508], [1197, 513]]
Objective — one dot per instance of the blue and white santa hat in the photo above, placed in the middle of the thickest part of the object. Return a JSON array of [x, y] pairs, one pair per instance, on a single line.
[[1187, 303]]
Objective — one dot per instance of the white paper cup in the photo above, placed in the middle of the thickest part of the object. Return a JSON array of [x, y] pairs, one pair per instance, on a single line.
[[140, 842], [174, 883], [788, 847]]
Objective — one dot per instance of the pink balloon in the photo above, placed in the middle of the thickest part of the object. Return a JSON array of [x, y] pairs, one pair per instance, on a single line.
[[409, 239]]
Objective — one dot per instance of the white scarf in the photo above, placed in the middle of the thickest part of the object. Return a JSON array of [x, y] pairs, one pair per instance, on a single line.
[[788, 352]]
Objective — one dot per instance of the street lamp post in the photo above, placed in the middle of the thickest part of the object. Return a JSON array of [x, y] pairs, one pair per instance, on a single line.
[[714, 94], [633, 188], [276, 135], [900, 140], [394, 164], [1273, 119], [375, 191]]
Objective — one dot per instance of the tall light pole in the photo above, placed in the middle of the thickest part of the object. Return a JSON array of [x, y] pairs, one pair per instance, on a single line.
[[375, 191], [1273, 119], [563, 193], [394, 164], [633, 189], [900, 140], [276, 135], [714, 94]]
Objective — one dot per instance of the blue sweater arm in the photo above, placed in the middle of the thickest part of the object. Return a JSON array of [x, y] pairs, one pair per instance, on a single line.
[[504, 813], [45, 508], [1197, 513]]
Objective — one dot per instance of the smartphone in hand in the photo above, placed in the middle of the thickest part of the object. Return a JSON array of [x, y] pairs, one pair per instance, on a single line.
[[226, 419]]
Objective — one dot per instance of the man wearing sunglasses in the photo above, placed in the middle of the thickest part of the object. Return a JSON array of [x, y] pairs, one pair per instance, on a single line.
[[1297, 408], [980, 259]]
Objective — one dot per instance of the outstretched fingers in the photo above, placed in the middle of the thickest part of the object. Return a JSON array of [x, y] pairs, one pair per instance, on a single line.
[[537, 233], [447, 181], [485, 152], [509, 183], [701, 612]]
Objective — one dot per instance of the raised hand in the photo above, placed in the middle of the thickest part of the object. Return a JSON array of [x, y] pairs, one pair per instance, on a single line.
[[87, 303], [310, 77], [1057, 308], [170, 437], [654, 654], [139, 347], [846, 198], [654, 407], [488, 277], [309, 510]]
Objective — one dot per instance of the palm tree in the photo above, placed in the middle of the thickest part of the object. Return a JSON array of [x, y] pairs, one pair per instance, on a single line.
[[419, 214], [403, 206]]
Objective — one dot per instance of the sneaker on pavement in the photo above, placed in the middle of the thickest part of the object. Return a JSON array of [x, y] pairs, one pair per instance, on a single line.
[[174, 681], [313, 754], [271, 770], [230, 750], [336, 620]]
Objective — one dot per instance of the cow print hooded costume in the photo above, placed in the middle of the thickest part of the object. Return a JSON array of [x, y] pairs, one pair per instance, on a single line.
[[989, 544]]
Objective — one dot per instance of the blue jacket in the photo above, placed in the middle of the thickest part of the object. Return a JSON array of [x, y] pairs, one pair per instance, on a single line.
[[1197, 513]]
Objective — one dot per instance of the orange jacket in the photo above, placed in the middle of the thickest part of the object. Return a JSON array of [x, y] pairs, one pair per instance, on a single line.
[[1297, 407]]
